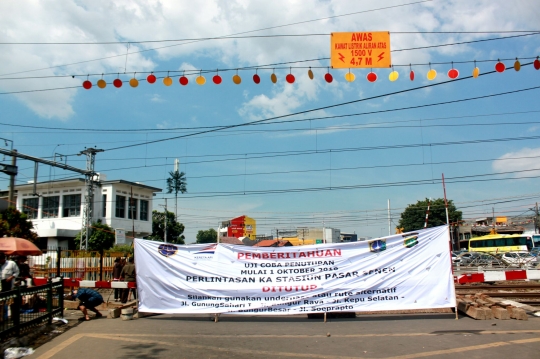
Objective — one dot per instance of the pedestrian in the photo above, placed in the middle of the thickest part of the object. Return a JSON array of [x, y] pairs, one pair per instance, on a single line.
[[89, 299], [128, 274], [117, 271], [9, 271], [24, 271]]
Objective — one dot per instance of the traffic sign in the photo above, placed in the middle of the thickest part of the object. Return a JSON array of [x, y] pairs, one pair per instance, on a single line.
[[360, 50]]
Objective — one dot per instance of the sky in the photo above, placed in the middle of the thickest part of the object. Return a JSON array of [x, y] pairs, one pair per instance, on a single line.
[[320, 154]]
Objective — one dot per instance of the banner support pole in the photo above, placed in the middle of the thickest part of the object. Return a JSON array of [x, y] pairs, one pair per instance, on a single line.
[[449, 235]]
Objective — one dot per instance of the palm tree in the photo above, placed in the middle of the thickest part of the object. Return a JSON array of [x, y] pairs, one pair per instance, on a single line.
[[176, 183]]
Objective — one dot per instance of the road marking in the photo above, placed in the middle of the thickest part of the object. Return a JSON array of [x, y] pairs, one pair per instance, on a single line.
[[63, 345], [461, 332], [135, 338], [464, 349]]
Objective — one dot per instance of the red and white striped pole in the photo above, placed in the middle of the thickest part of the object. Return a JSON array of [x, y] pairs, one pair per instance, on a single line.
[[427, 213]]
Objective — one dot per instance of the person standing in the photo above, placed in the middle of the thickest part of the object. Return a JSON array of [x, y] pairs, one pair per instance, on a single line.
[[117, 272], [89, 299], [128, 274], [24, 271], [9, 271]]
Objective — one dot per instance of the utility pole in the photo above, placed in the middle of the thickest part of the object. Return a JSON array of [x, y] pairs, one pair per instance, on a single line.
[[165, 230], [132, 214], [89, 194], [536, 219], [12, 181], [389, 220]]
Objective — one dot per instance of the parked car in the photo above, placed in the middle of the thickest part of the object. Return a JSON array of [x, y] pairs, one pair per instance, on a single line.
[[456, 258], [478, 259], [518, 259], [469, 257], [535, 251]]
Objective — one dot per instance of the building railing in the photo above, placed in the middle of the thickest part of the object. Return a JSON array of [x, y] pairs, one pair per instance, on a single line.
[[86, 265], [23, 308]]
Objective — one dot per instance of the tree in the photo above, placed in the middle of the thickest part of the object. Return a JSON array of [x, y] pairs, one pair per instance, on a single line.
[[174, 228], [176, 183], [414, 216], [101, 238], [16, 224], [208, 236]]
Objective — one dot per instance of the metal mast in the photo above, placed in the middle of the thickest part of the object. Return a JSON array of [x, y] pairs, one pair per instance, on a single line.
[[89, 180]]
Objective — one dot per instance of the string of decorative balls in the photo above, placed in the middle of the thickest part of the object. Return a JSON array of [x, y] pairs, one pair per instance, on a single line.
[[453, 73]]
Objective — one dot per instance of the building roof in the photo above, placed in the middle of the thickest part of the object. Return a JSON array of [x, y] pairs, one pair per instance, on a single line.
[[272, 243], [81, 180], [155, 189], [230, 240]]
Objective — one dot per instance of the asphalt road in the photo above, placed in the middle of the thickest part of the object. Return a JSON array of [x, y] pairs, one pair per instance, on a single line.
[[373, 336]]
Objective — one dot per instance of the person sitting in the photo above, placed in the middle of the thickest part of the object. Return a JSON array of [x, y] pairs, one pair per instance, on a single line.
[[89, 299], [24, 272]]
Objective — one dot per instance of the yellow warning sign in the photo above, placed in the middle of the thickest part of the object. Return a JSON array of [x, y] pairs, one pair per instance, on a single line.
[[360, 50]]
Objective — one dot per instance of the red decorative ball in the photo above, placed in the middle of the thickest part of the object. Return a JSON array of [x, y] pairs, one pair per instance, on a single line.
[[411, 75], [328, 77], [453, 73], [151, 79], [117, 83], [290, 78], [256, 79], [371, 77], [87, 85], [183, 81], [500, 67], [536, 64], [216, 79]]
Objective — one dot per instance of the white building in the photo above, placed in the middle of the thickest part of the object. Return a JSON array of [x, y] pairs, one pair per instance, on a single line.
[[57, 209]]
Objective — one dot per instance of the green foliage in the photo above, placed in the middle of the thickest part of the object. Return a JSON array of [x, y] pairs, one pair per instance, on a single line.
[[176, 183], [174, 228], [414, 216], [208, 236], [123, 248], [15, 224], [101, 237]]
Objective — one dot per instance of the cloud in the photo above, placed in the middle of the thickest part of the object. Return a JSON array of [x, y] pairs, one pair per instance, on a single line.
[[313, 132], [104, 20], [163, 125], [524, 159], [285, 99], [156, 98]]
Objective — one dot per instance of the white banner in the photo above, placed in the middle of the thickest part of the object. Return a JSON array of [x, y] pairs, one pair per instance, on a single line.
[[404, 271]]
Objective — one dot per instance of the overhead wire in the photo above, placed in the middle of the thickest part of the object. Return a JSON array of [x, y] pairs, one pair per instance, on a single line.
[[324, 108], [239, 33], [430, 181]]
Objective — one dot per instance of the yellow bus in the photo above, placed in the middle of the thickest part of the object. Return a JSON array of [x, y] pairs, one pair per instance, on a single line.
[[497, 243]]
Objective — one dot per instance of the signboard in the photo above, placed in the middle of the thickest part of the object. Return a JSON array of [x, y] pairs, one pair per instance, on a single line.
[[120, 236], [360, 50], [404, 271]]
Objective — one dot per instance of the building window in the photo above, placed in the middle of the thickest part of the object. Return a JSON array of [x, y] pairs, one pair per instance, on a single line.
[[120, 207], [132, 210], [50, 207], [71, 206], [104, 205], [144, 210], [30, 207]]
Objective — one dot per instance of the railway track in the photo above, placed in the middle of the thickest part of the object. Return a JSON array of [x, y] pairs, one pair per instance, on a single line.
[[523, 293], [496, 287]]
